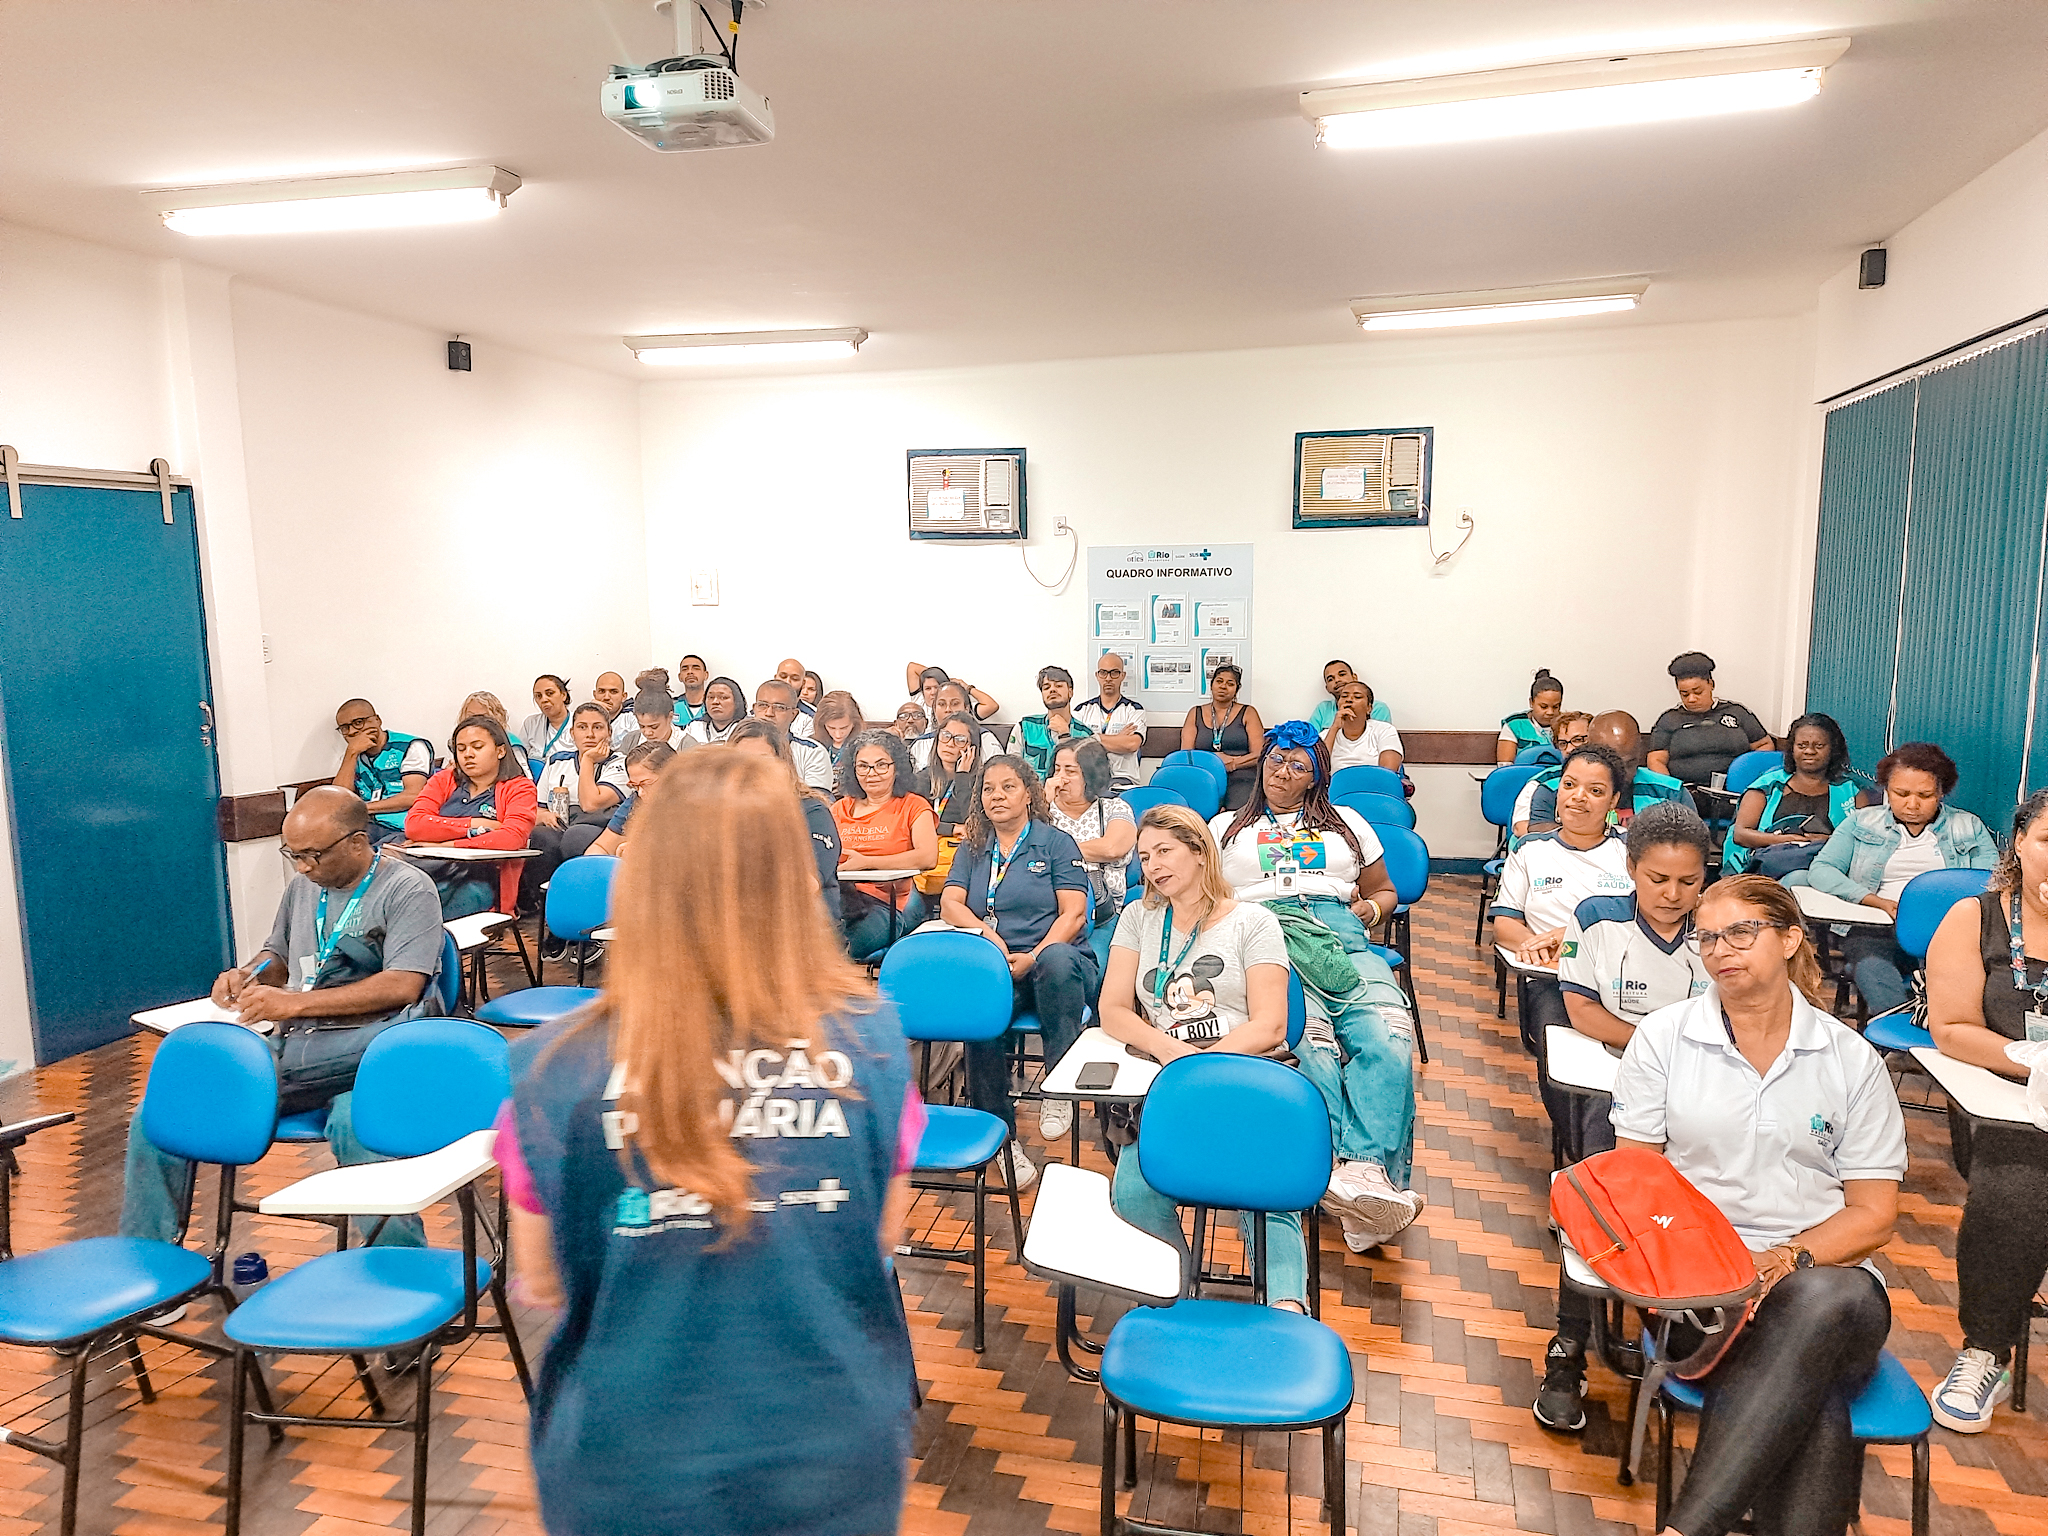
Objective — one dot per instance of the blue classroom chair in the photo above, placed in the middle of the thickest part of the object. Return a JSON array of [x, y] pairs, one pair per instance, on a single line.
[[1922, 905], [1145, 796], [1380, 810], [1539, 755], [1366, 779], [1193, 785], [1407, 860], [1210, 762], [1231, 1133], [579, 902], [1497, 795], [955, 986], [1750, 767]]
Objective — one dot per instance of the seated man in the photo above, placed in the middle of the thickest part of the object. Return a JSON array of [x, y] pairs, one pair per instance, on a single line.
[[1354, 737], [791, 671], [914, 725], [610, 691], [691, 675], [776, 702], [1335, 675], [654, 720], [1536, 806], [1118, 722], [355, 949], [385, 769], [643, 764], [1036, 737]]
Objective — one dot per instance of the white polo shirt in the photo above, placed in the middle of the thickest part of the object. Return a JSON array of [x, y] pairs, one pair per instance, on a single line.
[[1612, 956], [1773, 1151], [1545, 880], [813, 762], [1127, 716], [564, 771], [1377, 737]]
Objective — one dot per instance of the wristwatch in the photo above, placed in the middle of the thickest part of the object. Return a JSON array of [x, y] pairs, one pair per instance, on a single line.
[[1801, 1258]]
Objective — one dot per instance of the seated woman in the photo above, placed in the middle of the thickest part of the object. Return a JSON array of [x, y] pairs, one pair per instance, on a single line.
[[953, 697], [1987, 976], [882, 825], [482, 799], [1543, 883], [1532, 727], [1102, 825], [1230, 728], [725, 706], [1703, 735], [643, 765], [1789, 812], [836, 722], [777, 1396], [764, 738], [548, 728], [1219, 983], [588, 779], [1874, 852], [949, 784], [810, 690], [1019, 880], [1623, 958], [1726, 1086], [923, 683], [1355, 737], [1319, 869], [487, 704]]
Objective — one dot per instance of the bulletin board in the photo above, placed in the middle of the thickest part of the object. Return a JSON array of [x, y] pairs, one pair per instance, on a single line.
[[1174, 613]]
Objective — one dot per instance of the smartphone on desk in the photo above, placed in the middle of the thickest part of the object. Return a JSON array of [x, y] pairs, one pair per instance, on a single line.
[[1096, 1077]]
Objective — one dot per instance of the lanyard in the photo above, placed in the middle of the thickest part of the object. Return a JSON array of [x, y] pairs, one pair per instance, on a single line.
[[2019, 960], [999, 866], [324, 940], [547, 752], [1216, 731], [1164, 974]]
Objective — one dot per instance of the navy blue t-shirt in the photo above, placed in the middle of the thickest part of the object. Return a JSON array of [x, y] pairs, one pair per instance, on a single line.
[[1045, 862]]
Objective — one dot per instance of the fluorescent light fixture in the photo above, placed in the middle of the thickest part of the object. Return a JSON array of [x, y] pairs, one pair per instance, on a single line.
[[708, 348], [1585, 93], [1499, 306], [387, 200]]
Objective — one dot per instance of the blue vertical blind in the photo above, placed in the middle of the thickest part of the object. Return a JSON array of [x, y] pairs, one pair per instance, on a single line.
[[1927, 620]]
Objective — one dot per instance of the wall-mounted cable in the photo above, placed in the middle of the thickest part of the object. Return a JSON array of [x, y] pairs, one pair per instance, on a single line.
[[1060, 529]]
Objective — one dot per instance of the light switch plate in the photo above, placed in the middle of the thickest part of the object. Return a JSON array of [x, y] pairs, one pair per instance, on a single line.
[[704, 589]]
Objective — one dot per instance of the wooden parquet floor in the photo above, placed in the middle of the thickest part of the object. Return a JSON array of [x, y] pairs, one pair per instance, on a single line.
[[1447, 1329]]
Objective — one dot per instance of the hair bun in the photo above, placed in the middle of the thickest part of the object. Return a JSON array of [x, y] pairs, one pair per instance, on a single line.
[[1692, 664]]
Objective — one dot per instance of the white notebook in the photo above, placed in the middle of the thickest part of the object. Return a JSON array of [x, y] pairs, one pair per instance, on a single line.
[[201, 1010]]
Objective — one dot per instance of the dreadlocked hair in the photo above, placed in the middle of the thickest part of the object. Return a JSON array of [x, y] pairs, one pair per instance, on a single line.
[[1317, 812]]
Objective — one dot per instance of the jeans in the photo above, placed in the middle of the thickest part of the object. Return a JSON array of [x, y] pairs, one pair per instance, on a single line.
[[1367, 1078], [1057, 989], [1574, 1117], [1149, 1211], [1878, 967], [2002, 1249], [315, 1067], [867, 929], [1774, 1439]]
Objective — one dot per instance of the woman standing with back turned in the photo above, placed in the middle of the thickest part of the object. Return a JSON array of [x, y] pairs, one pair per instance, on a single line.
[[731, 1354]]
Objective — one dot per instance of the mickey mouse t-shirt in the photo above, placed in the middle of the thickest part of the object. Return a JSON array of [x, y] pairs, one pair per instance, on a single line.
[[1199, 997]]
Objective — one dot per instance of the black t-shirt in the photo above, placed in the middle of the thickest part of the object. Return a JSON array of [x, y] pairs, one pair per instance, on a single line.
[[1702, 745], [2005, 1006]]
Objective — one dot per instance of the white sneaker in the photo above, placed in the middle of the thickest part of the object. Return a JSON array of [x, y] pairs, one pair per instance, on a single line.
[[1027, 1171], [1369, 1195], [1358, 1236], [1975, 1386], [1055, 1118]]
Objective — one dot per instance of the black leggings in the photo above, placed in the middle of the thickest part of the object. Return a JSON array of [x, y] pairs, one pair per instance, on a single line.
[[2002, 1249], [556, 845], [1774, 1440]]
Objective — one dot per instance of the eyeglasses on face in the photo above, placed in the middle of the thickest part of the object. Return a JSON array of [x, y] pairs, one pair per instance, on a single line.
[[311, 857], [954, 739], [884, 766], [1292, 766], [1739, 937], [772, 707], [358, 723]]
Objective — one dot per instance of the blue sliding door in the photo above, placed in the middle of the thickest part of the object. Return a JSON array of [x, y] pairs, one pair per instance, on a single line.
[[109, 761]]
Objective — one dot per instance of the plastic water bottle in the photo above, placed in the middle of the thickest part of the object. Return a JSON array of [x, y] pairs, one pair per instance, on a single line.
[[558, 801], [250, 1271]]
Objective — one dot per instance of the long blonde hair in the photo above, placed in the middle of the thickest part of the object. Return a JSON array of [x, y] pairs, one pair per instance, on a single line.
[[723, 946], [1192, 833], [1781, 908]]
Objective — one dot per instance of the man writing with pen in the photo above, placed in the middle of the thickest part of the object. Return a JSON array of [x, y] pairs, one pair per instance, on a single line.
[[355, 949]]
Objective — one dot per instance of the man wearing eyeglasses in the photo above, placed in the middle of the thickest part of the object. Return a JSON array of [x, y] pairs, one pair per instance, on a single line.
[[776, 702], [355, 948], [386, 769], [1118, 722]]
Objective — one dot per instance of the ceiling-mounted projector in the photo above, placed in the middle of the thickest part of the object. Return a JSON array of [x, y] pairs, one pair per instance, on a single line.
[[695, 102]]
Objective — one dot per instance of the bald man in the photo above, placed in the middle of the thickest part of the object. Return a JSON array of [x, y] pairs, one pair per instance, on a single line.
[[1536, 806], [791, 671], [386, 769], [609, 694], [355, 948]]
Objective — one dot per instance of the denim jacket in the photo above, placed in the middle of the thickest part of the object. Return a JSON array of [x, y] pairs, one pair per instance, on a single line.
[[1851, 866]]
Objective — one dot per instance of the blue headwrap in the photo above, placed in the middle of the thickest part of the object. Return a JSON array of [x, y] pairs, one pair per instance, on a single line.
[[1295, 733]]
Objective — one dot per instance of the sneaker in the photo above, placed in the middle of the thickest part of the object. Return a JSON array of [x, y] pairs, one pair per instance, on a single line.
[[1055, 1118], [593, 952], [1358, 1237], [1027, 1170], [552, 948], [1365, 1191], [1561, 1400], [165, 1318], [1976, 1385]]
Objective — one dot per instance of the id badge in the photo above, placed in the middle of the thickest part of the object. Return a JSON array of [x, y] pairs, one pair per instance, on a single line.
[[2037, 1026], [304, 969], [1286, 876]]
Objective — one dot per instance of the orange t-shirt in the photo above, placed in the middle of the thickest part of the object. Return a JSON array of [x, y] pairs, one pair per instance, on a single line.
[[887, 831]]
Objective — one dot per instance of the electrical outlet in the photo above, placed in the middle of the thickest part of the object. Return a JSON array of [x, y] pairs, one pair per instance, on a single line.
[[1059, 526], [266, 649], [704, 589]]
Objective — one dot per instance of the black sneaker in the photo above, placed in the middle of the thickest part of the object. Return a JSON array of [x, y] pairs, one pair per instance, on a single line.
[[552, 948], [1561, 1400]]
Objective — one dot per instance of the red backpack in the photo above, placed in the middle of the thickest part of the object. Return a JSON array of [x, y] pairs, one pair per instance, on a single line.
[[1649, 1234]]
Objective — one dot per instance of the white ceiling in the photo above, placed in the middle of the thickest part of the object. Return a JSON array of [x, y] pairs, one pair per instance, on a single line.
[[996, 180]]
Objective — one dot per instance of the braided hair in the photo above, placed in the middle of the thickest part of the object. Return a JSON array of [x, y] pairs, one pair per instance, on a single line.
[[1317, 812]]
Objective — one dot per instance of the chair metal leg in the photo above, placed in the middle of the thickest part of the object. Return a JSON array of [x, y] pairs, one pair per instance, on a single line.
[[1016, 1210], [1109, 1439], [2019, 1362], [369, 1384], [422, 1417], [980, 1246], [1131, 1449], [1067, 1334], [1624, 1474], [1664, 1453], [74, 1434], [1333, 1474], [133, 1350], [1500, 987], [1421, 1040], [525, 955], [512, 1345], [1921, 1456], [238, 1407], [1313, 1228]]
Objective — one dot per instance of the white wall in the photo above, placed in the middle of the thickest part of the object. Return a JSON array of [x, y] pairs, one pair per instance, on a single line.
[[1976, 260], [420, 533], [1637, 492]]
